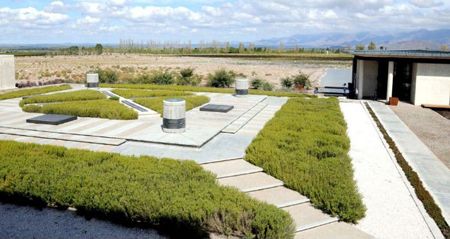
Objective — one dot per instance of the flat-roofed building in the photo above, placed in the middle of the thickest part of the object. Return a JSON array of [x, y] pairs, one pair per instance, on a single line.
[[416, 76]]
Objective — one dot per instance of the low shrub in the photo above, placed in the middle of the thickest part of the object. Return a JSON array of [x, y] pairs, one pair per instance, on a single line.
[[187, 77], [257, 83], [266, 86], [34, 91], [156, 103], [163, 77], [178, 196], [62, 97], [221, 78], [306, 146], [286, 82], [114, 98], [203, 89], [107, 76], [108, 109], [148, 93], [301, 80]]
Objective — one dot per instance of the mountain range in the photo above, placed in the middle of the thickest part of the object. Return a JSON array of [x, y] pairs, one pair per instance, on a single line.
[[419, 39]]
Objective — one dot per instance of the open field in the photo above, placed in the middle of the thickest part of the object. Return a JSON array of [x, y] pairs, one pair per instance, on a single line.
[[75, 67]]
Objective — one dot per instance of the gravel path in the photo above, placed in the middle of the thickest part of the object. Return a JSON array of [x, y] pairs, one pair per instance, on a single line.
[[392, 211], [27, 222], [432, 128]]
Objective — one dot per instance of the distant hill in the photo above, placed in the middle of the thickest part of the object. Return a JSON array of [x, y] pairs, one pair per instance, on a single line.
[[420, 39]]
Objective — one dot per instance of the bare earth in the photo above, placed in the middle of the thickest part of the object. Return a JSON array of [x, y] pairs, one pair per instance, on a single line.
[[75, 67], [432, 128]]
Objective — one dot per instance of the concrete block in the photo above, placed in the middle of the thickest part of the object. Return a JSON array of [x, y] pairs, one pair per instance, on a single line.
[[7, 72]]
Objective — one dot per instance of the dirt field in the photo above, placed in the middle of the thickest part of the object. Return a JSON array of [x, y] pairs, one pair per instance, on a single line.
[[75, 67]]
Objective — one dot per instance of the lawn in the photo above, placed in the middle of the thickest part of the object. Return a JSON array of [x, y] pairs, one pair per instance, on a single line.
[[156, 103], [33, 91], [176, 196], [306, 146]]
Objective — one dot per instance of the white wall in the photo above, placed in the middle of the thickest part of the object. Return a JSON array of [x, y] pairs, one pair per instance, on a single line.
[[432, 84], [7, 72], [370, 78]]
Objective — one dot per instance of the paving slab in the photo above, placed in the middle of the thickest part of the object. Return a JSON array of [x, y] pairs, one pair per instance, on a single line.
[[433, 172], [279, 196], [306, 216], [53, 119], [337, 230], [251, 182], [231, 168]]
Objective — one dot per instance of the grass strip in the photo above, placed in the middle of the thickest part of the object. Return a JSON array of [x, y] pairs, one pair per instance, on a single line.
[[33, 91], [156, 103], [178, 196], [203, 89], [135, 93], [63, 97], [107, 109], [428, 202], [306, 146]]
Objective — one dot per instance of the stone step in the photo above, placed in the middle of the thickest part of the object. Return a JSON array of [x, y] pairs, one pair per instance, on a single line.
[[251, 182], [62, 136], [240, 122], [337, 230], [306, 216], [231, 168], [279, 196]]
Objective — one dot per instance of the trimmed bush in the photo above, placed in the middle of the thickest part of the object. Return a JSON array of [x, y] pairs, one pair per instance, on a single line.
[[164, 193], [163, 77], [148, 93], [108, 109], [156, 103], [306, 146], [287, 83], [257, 83], [221, 78], [203, 89], [34, 91], [62, 97]]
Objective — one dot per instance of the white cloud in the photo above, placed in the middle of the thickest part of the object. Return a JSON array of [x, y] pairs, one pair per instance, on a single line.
[[88, 20], [426, 3]]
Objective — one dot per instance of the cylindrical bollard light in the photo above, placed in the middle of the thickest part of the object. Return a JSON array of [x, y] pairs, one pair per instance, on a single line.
[[174, 116], [91, 80], [241, 87]]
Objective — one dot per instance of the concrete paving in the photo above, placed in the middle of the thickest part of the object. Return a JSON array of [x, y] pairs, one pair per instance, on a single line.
[[433, 173], [393, 210]]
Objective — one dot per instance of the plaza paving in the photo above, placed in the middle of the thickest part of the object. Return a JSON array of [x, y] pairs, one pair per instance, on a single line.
[[217, 141]]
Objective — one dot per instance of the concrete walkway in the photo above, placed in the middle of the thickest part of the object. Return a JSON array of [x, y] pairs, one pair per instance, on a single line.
[[393, 210], [433, 173]]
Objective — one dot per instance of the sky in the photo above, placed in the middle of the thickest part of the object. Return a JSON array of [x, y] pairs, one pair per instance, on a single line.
[[109, 21]]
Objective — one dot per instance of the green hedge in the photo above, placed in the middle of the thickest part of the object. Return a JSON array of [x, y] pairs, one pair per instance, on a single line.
[[135, 93], [156, 103], [33, 91], [177, 195], [62, 97], [203, 89], [306, 146], [108, 109]]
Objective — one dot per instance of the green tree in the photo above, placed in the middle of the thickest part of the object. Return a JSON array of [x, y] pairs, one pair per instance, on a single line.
[[360, 47], [372, 46], [99, 49]]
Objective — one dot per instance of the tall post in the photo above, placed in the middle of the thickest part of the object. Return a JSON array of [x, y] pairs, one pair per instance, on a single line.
[[390, 80], [360, 72]]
